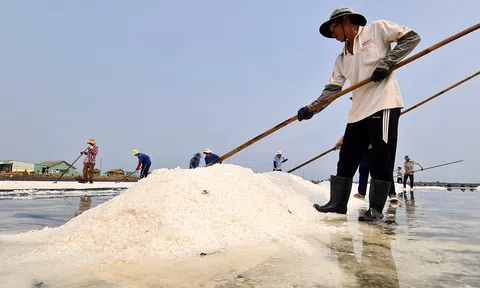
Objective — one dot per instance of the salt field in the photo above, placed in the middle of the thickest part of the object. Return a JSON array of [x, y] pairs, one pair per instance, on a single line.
[[27, 190], [36, 185], [226, 226], [165, 144]]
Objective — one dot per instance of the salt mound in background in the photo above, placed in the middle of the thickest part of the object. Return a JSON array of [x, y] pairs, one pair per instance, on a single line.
[[181, 213]]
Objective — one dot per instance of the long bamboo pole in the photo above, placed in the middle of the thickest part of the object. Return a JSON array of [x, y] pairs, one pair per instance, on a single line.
[[343, 92], [403, 112], [70, 166]]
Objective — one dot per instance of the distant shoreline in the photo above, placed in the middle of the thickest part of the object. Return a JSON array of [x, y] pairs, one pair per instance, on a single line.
[[33, 178], [429, 184]]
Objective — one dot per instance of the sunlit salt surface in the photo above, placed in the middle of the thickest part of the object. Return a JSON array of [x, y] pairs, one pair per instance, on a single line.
[[254, 230]]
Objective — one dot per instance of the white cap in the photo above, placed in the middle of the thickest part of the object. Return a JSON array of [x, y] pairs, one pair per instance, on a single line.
[[207, 150], [279, 152]]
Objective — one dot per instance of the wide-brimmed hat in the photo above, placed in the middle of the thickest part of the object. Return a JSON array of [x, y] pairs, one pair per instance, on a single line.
[[91, 141], [207, 151], [279, 153], [355, 18]]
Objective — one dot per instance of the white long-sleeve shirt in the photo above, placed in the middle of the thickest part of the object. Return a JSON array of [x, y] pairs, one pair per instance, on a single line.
[[371, 44], [409, 166]]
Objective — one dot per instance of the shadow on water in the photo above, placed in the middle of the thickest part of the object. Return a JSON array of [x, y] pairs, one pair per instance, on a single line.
[[84, 204], [376, 267]]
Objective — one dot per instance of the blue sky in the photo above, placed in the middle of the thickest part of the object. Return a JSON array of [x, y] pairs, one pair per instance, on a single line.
[[174, 77]]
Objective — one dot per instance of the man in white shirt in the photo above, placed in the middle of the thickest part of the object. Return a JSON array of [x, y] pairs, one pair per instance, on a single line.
[[409, 171], [278, 160], [376, 106]]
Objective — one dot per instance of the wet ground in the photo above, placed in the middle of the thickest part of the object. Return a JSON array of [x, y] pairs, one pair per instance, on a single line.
[[430, 241]]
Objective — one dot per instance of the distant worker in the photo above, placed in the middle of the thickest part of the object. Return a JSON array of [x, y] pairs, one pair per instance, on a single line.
[[210, 157], [195, 161], [399, 175], [409, 171], [89, 161], [278, 159], [144, 162]]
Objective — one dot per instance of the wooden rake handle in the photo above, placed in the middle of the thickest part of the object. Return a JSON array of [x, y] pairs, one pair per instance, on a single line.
[[343, 92]]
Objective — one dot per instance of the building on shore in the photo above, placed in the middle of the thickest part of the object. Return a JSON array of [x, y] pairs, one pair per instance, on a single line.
[[115, 173], [10, 166], [57, 167]]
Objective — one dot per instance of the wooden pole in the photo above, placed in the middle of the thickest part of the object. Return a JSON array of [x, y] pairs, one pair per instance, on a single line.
[[440, 93], [343, 92], [311, 160], [403, 112], [440, 165], [70, 166]]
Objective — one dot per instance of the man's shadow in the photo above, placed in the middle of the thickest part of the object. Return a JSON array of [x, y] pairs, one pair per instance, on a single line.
[[376, 266]]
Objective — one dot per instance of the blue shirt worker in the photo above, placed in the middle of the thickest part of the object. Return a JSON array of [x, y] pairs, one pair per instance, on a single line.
[[209, 156], [278, 160], [195, 161], [143, 161]]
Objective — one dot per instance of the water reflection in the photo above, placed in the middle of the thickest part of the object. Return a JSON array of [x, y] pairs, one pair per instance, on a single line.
[[376, 266], [410, 210], [84, 204]]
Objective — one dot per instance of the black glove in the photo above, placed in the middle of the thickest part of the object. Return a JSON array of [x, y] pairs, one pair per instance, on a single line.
[[379, 74], [304, 114], [285, 160]]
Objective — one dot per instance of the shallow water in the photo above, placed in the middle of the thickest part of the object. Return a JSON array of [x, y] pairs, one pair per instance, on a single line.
[[433, 241], [18, 216]]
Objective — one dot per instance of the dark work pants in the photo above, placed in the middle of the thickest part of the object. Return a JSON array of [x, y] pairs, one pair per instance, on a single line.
[[381, 131], [144, 170], [364, 171], [399, 180], [405, 180], [88, 169]]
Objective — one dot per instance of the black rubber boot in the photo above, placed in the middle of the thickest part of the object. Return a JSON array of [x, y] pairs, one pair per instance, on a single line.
[[378, 196], [340, 188]]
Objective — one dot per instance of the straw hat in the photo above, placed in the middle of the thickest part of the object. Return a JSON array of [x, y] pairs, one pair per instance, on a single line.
[[92, 141]]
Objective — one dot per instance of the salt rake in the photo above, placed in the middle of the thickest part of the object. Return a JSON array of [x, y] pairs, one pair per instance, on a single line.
[[70, 166], [440, 165], [403, 112], [129, 175], [436, 166], [343, 92]]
